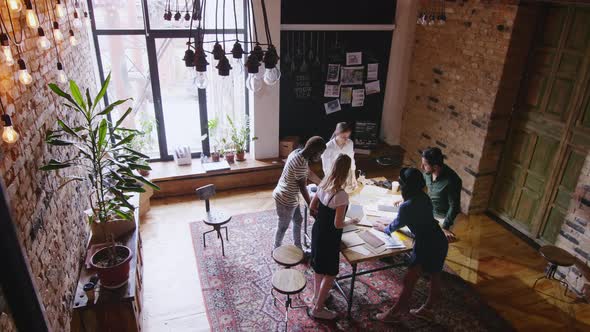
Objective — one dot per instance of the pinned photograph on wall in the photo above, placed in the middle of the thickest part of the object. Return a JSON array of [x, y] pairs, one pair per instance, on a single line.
[[372, 69], [333, 72], [345, 95], [332, 90], [358, 97], [354, 58], [332, 106], [352, 75], [372, 87]]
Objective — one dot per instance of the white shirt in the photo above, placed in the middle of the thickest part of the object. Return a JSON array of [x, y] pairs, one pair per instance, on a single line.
[[340, 198], [333, 151]]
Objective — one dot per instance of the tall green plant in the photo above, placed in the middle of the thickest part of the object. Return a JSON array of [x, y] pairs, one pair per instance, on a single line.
[[103, 156], [240, 135]]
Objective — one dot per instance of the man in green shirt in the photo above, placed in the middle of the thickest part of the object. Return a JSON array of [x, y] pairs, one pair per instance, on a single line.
[[444, 189]]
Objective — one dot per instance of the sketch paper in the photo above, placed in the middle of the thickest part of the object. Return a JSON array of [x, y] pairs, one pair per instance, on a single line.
[[332, 106], [354, 58], [372, 69], [352, 75], [358, 97], [355, 212], [372, 87], [333, 72], [351, 239], [332, 90], [345, 95], [361, 250]]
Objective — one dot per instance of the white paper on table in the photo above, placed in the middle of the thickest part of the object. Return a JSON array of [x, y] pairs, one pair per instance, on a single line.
[[349, 228], [366, 222], [373, 190], [391, 242], [355, 212], [351, 239], [361, 250], [388, 204], [382, 214]]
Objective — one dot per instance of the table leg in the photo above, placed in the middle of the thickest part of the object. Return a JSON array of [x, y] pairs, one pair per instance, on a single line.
[[305, 211], [351, 294]]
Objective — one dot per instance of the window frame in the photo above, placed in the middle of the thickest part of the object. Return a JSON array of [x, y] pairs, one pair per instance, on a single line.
[[150, 37]]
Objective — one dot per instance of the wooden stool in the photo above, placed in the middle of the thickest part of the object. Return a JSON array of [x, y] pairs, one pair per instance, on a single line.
[[214, 219], [288, 282], [555, 257], [288, 255]]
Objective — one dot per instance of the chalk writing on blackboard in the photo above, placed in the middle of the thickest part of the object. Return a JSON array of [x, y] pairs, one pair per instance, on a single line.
[[302, 86], [365, 134]]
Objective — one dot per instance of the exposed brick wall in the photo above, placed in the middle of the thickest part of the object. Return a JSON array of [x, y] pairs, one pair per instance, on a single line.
[[455, 80], [575, 232], [51, 225]]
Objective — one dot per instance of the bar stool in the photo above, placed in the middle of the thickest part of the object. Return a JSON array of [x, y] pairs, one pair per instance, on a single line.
[[288, 255], [555, 257], [288, 282], [215, 219]]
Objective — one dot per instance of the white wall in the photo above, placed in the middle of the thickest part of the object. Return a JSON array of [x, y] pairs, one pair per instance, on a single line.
[[264, 105], [398, 71]]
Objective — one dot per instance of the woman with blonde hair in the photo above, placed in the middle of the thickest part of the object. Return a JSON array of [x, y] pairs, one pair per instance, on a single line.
[[340, 143], [329, 209]]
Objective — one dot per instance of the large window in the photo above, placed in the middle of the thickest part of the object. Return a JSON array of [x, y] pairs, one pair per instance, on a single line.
[[143, 53]]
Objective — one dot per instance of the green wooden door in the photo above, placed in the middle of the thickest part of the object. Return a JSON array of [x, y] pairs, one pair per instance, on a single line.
[[550, 131]]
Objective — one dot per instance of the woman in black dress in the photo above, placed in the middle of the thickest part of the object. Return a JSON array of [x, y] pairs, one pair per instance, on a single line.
[[329, 209], [430, 246]]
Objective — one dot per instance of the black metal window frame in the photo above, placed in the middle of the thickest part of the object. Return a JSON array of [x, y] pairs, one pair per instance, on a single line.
[[150, 37]]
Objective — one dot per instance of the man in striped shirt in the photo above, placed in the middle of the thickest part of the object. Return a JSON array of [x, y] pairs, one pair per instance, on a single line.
[[292, 182]]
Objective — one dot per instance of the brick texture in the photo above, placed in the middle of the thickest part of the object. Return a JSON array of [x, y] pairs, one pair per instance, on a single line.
[[575, 232], [455, 80], [50, 222]]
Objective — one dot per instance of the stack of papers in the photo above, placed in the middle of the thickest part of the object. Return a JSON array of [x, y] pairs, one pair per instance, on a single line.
[[355, 212], [351, 239], [391, 242]]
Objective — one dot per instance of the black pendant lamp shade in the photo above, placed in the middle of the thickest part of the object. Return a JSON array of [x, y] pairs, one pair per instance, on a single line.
[[200, 61], [252, 63], [237, 51], [271, 58], [218, 51], [257, 50], [223, 67], [189, 58]]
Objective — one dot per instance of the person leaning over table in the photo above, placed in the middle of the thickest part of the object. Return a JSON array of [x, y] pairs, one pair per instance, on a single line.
[[328, 207], [444, 189], [430, 246], [338, 144], [293, 181]]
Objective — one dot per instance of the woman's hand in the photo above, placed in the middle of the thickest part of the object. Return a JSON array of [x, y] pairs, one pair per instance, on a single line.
[[380, 227], [451, 237], [313, 212], [398, 202], [354, 221]]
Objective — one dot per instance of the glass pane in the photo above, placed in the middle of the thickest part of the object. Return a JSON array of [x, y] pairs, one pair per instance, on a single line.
[[180, 99], [157, 9], [225, 95], [117, 14], [126, 58]]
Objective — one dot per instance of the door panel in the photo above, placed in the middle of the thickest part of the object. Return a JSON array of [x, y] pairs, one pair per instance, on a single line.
[[545, 152]]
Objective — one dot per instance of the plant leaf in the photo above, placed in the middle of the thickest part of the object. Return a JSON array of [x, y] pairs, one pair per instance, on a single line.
[[75, 90], [66, 128], [59, 142], [53, 165], [147, 182], [88, 100], [102, 133], [112, 106], [62, 94], [137, 153], [103, 90], [122, 118]]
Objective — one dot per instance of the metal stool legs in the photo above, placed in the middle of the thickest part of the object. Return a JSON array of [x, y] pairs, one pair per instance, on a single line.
[[550, 275], [219, 236], [288, 305]]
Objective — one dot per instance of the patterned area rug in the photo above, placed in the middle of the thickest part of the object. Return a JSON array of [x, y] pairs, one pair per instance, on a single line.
[[236, 289]]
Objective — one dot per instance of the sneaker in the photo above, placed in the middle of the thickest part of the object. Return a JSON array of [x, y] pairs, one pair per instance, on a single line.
[[324, 313]]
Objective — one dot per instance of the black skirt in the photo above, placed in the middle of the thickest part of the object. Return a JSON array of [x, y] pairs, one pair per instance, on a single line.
[[325, 242]]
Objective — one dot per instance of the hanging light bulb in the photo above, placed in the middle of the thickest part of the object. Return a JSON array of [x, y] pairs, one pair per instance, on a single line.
[[23, 74], [15, 5], [200, 63], [9, 135], [6, 51], [223, 67], [218, 51], [57, 35], [60, 10], [272, 74], [86, 19], [253, 82], [31, 17], [73, 39], [77, 22], [237, 54], [42, 42], [61, 74], [177, 16]]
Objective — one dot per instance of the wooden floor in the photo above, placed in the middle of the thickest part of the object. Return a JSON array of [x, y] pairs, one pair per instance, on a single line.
[[501, 267]]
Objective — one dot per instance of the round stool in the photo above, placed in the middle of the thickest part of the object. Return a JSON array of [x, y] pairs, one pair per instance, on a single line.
[[288, 282], [288, 255], [555, 257]]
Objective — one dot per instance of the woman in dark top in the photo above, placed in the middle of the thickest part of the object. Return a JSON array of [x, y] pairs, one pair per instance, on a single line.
[[430, 246]]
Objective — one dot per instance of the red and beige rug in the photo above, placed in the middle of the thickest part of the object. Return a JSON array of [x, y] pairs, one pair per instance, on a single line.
[[236, 289]]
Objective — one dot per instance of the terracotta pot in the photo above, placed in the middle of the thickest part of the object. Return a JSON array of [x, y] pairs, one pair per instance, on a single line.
[[113, 276], [144, 172], [215, 156], [241, 156], [229, 157]]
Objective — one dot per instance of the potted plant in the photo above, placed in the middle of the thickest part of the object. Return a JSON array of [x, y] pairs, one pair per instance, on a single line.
[[143, 139], [240, 136], [106, 162], [213, 126]]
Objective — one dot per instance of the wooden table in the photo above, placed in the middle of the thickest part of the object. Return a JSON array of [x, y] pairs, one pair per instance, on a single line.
[[354, 258]]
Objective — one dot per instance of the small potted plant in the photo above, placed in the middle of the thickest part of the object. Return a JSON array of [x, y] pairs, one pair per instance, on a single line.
[[240, 136], [213, 126], [104, 160]]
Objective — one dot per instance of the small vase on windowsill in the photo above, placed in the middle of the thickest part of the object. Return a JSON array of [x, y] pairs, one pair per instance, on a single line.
[[229, 157], [241, 156], [215, 157]]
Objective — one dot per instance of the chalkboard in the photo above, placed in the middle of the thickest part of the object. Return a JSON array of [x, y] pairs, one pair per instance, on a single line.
[[306, 57], [338, 11]]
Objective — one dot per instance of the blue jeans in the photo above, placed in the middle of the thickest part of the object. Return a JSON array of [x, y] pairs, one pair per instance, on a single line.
[[286, 214]]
